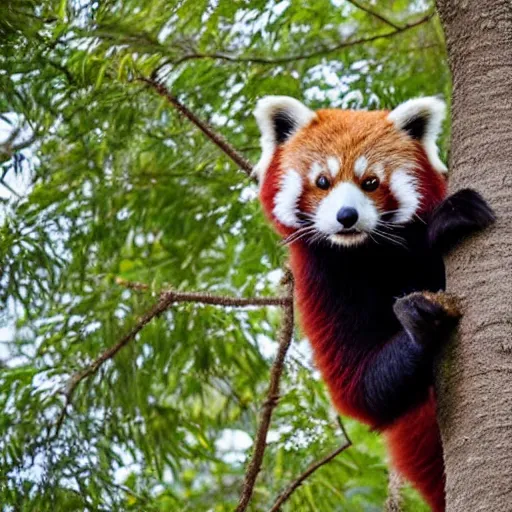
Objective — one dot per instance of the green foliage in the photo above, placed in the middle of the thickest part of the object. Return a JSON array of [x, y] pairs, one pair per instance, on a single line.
[[120, 186]]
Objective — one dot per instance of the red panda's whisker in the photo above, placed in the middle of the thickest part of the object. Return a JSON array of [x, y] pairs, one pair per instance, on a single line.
[[389, 212], [296, 235], [297, 238], [394, 239], [317, 237], [390, 234], [321, 237], [420, 219], [390, 225], [303, 235], [390, 240], [373, 239]]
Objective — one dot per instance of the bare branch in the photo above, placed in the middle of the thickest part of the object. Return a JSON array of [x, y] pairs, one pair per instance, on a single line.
[[373, 13], [260, 442], [166, 299], [394, 502], [209, 298], [216, 138], [304, 56]]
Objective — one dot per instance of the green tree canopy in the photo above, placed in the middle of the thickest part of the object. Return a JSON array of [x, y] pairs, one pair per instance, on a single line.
[[104, 184]]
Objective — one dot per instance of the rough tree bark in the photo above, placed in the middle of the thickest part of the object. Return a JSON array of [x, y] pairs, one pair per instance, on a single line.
[[475, 378]]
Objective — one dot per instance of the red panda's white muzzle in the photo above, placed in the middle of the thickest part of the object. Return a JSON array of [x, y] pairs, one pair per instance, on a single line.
[[346, 215]]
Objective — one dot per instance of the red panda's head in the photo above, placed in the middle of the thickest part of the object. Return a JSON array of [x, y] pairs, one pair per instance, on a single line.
[[339, 175]]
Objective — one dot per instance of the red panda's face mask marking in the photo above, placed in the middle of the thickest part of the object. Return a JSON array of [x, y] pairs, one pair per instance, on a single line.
[[344, 176]]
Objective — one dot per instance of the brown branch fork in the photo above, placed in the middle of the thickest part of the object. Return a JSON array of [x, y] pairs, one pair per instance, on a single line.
[[166, 299]]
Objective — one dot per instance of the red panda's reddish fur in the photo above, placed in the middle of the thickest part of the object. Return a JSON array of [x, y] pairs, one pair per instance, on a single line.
[[414, 439]]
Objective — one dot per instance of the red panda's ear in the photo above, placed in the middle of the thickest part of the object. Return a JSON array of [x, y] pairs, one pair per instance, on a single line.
[[278, 118], [422, 120]]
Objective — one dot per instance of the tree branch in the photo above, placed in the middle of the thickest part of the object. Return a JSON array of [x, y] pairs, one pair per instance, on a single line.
[[209, 298], [216, 138], [260, 442], [305, 56], [375, 14], [166, 299]]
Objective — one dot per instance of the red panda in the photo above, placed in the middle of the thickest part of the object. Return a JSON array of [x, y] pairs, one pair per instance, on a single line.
[[360, 199]]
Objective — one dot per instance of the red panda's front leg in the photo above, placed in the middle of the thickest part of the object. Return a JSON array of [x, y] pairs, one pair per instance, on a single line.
[[398, 377], [461, 214]]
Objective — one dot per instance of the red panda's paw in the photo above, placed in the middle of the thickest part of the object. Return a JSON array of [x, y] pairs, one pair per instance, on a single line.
[[427, 317]]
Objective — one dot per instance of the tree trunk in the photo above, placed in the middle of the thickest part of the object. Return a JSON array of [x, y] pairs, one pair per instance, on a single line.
[[475, 378]]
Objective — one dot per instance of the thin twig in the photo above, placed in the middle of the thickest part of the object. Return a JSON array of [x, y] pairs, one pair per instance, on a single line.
[[304, 56], [373, 13], [285, 495], [216, 138], [9, 188], [272, 397], [8, 148], [209, 298], [12, 137]]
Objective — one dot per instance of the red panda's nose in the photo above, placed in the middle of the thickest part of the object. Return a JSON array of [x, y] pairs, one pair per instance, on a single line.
[[347, 216]]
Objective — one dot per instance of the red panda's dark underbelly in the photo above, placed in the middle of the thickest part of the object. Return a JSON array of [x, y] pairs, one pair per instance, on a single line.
[[345, 300]]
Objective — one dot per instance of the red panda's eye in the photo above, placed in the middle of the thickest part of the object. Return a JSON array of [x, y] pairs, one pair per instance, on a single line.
[[370, 184], [322, 182]]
